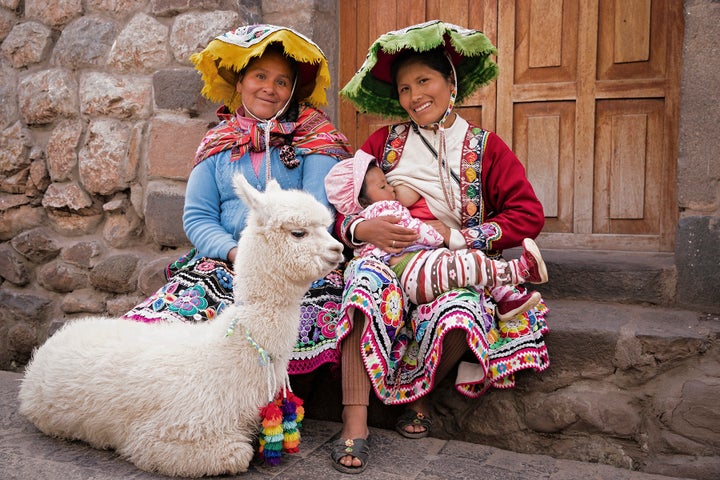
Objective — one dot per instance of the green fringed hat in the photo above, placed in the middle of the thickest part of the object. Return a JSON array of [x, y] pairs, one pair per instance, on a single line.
[[371, 89], [229, 53]]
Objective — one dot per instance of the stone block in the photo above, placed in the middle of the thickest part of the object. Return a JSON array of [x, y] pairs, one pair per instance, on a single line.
[[697, 255], [163, 214], [84, 43], [54, 13], [48, 95], [152, 275], [37, 245], [173, 141], [58, 276], [107, 163], [81, 253], [13, 266], [112, 96], [28, 43], [142, 46], [15, 220], [178, 89], [31, 307], [192, 31], [116, 274]]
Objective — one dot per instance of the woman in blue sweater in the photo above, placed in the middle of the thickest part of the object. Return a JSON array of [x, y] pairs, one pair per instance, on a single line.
[[269, 80]]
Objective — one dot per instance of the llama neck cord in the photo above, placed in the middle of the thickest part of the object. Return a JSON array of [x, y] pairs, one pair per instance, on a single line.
[[264, 358], [282, 416]]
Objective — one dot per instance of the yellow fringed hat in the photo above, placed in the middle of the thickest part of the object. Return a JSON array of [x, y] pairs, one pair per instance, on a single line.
[[229, 53]]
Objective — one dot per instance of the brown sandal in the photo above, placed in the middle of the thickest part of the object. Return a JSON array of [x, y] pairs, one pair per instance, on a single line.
[[412, 418], [355, 447]]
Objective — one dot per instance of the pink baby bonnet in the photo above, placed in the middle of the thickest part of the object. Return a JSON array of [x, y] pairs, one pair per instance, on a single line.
[[344, 181]]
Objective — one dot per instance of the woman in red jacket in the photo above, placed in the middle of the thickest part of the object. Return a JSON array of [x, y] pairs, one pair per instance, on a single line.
[[474, 191]]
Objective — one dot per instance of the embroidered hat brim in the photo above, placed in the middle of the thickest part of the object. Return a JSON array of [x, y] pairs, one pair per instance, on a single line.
[[226, 55], [371, 90]]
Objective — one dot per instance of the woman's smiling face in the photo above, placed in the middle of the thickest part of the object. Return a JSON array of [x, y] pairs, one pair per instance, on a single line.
[[266, 85], [423, 92]]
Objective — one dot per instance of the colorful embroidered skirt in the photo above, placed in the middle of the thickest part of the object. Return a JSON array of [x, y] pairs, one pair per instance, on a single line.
[[198, 289], [401, 345]]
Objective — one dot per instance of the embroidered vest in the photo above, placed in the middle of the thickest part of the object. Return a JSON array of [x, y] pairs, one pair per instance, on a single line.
[[472, 207]]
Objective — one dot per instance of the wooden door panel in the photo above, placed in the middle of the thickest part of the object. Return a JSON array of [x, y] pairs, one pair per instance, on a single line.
[[546, 41], [628, 169], [543, 137], [632, 39]]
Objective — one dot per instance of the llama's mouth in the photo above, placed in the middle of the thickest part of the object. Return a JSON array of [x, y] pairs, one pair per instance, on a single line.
[[333, 260]]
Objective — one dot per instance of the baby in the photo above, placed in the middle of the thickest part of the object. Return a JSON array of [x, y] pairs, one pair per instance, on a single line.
[[426, 269]]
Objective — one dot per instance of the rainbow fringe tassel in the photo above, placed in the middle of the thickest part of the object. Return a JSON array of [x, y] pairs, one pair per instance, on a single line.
[[280, 431]]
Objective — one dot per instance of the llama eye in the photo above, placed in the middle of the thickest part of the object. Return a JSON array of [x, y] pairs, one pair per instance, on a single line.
[[299, 233]]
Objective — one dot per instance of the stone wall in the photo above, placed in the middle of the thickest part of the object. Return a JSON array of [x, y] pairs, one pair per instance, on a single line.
[[697, 244], [100, 116]]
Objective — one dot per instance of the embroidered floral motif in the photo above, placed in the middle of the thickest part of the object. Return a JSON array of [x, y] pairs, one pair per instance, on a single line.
[[327, 319], [205, 266], [190, 301], [514, 327], [390, 305], [224, 277]]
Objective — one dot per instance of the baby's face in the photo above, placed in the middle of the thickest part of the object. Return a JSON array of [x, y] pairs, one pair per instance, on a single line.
[[376, 186]]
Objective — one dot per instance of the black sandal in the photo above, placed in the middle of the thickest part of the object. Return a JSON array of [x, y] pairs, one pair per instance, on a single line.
[[412, 418], [357, 447]]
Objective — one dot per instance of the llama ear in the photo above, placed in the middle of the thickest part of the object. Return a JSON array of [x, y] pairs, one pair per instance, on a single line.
[[247, 192]]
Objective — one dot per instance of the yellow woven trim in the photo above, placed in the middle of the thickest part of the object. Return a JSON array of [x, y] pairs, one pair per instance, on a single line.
[[217, 89]]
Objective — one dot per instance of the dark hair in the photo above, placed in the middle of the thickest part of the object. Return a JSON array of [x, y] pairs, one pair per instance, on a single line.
[[435, 59], [363, 199]]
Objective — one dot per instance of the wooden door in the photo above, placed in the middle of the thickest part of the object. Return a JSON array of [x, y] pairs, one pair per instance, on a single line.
[[588, 98]]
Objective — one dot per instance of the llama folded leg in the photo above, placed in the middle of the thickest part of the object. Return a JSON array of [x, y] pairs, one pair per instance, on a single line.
[[173, 454]]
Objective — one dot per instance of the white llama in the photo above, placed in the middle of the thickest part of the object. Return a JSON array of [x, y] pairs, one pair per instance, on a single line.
[[183, 399]]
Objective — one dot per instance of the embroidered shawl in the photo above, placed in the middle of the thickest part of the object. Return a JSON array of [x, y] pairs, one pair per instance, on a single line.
[[311, 133]]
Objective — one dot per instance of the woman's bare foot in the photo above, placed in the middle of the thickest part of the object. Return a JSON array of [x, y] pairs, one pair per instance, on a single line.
[[354, 426], [422, 407]]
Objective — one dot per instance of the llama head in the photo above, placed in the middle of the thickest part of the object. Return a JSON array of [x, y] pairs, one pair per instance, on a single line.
[[286, 236]]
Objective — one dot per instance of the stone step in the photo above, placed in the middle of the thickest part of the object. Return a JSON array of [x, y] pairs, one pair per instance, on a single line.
[[622, 277], [631, 386]]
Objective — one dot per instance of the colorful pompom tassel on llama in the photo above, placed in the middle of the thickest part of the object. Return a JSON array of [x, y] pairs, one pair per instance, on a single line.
[[293, 414], [281, 421]]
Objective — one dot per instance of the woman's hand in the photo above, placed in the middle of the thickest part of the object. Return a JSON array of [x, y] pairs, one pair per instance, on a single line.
[[383, 232], [442, 229]]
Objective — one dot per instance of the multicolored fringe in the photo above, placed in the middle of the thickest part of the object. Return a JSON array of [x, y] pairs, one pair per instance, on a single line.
[[281, 423]]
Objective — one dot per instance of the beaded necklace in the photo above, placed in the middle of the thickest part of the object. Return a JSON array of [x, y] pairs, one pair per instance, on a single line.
[[443, 168], [267, 125]]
